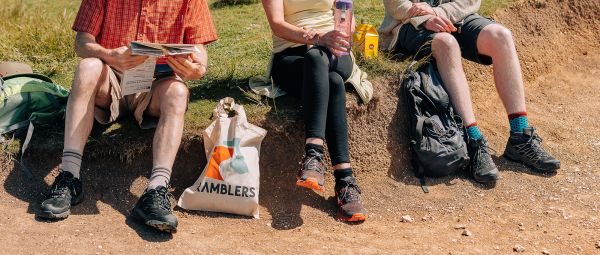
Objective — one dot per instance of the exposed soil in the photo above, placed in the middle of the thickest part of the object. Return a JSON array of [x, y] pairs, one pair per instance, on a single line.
[[558, 42]]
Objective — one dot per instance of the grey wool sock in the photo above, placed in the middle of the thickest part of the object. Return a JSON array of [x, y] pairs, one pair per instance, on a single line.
[[160, 176], [71, 162]]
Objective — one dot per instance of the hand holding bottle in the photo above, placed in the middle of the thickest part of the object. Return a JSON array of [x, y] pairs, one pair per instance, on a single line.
[[336, 41]]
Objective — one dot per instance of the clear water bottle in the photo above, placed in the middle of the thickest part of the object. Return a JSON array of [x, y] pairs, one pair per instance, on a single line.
[[342, 15]]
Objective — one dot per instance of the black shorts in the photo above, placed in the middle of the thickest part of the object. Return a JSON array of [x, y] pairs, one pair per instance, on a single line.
[[410, 39]]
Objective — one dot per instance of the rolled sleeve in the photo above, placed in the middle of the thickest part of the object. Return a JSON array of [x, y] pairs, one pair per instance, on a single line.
[[90, 16], [199, 28]]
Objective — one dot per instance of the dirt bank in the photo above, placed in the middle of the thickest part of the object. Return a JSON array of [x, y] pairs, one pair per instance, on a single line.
[[558, 44]]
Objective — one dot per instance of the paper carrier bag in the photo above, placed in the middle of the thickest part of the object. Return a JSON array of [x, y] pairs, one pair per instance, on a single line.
[[230, 180]]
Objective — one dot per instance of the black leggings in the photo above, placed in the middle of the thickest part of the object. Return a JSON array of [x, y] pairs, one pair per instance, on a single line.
[[319, 78]]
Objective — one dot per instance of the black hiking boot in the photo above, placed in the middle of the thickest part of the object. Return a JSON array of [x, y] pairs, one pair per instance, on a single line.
[[312, 173], [350, 206], [526, 148], [482, 166], [66, 191], [154, 209]]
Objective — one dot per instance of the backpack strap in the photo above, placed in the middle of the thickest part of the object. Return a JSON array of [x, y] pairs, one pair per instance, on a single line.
[[422, 180], [420, 173], [23, 148], [419, 127]]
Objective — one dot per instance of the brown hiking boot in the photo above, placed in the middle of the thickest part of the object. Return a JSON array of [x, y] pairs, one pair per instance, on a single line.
[[312, 173], [350, 206]]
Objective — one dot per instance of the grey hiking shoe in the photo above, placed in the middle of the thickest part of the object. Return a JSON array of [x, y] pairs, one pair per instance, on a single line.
[[526, 148], [350, 207], [66, 191], [154, 209], [482, 166], [312, 173]]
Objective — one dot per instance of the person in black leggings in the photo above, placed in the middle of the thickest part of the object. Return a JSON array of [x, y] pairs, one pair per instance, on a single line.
[[319, 79], [317, 76]]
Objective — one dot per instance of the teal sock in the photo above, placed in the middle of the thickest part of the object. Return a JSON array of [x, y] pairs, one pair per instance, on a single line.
[[473, 131], [518, 121]]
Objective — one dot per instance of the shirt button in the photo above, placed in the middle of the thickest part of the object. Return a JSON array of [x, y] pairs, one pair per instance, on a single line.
[[140, 35]]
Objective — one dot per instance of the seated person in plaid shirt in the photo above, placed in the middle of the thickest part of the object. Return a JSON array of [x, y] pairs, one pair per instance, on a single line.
[[104, 29]]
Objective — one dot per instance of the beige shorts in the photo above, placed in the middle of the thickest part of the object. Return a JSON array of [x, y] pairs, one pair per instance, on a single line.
[[120, 105]]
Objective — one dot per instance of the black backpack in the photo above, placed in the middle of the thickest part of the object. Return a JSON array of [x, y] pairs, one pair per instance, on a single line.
[[436, 133]]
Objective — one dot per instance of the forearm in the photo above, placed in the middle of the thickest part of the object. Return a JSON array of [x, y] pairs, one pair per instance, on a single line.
[[87, 47], [292, 33], [203, 55]]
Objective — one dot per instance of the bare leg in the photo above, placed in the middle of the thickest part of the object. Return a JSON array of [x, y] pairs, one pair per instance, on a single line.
[[169, 102], [317, 141], [446, 52], [496, 41], [320, 141], [90, 88]]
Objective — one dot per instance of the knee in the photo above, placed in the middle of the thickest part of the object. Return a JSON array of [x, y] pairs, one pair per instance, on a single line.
[[336, 84], [89, 71], [444, 42], [497, 35], [176, 96], [90, 66], [316, 56]]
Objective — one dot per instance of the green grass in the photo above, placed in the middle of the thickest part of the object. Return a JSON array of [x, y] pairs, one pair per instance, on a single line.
[[38, 33]]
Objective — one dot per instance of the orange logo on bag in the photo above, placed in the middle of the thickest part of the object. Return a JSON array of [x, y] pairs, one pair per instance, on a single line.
[[220, 154]]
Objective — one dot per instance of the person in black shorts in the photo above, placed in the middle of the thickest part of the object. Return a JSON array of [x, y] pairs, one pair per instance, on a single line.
[[447, 30]]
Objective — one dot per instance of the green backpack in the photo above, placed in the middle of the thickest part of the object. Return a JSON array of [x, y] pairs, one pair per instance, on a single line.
[[28, 100]]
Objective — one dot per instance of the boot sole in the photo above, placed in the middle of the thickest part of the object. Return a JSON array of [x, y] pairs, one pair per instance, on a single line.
[[357, 217], [156, 224], [59, 216], [162, 226], [535, 169], [310, 183], [54, 216]]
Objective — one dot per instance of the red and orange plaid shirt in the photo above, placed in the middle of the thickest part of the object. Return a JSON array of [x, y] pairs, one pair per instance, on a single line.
[[117, 23]]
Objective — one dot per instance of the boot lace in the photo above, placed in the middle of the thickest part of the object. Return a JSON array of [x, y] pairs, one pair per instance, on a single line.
[[158, 198], [532, 149], [350, 192], [313, 162], [62, 185], [479, 156]]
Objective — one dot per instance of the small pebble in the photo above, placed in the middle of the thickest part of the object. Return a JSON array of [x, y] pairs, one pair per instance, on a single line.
[[518, 248], [598, 245], [545, 252], [407, 218], [467, 233]]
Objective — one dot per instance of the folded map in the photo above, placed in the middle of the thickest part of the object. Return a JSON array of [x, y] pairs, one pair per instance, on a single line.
[[140, 78], [158, 50]]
